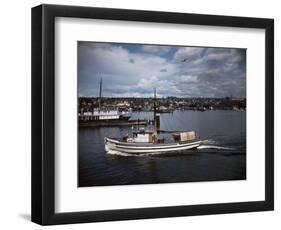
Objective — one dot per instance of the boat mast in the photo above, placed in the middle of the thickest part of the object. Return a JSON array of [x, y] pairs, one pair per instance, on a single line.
[[100, 94], [156, 116], [154, 111]]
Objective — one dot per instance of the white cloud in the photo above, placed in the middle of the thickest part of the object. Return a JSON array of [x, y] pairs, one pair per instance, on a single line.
[[117, 60], [187, 79], [187, 54], [192, 71]]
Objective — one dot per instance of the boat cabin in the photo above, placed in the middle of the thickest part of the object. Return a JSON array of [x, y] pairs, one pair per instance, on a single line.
[[184, 136], [143, 136]]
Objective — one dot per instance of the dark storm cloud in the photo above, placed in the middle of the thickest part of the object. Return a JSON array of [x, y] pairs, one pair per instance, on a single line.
[[134, 70]]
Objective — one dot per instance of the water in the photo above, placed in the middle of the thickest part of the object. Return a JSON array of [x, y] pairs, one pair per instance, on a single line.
[[221, 157]]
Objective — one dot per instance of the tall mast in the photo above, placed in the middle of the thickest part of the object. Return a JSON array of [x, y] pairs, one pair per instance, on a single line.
[[100, 94], [154, 111]]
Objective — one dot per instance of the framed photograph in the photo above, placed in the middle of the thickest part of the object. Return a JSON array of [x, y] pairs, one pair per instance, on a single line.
[[142, 114]]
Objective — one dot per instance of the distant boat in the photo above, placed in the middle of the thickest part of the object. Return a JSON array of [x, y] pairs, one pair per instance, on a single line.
[[150, 142], [105, 115], [163, 109], [202, 109]]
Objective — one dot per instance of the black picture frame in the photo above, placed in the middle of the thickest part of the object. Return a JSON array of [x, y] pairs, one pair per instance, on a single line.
[[43, 114]]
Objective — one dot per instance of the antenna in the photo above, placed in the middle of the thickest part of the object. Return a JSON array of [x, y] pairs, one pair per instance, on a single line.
[[100, 87], [100, 94]]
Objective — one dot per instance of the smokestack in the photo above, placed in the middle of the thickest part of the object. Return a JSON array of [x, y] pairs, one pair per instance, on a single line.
[[157, 121]]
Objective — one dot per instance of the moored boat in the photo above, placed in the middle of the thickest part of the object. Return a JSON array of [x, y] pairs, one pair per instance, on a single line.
[[104, 116]]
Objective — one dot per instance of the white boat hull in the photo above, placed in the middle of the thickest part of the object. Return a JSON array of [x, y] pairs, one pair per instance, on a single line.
[[140, 148]]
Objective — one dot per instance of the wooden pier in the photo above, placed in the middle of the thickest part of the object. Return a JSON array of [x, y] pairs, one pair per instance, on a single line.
[[112, 123]]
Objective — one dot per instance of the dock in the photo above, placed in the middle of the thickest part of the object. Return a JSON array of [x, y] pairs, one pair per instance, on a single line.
[[112, 123]]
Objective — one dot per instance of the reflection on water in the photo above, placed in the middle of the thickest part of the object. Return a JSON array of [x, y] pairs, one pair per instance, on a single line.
[[221, 157]]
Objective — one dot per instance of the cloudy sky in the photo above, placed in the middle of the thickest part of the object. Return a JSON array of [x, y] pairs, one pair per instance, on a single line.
[[133, 70]]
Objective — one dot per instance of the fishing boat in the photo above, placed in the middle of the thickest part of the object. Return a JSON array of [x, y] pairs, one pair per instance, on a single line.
[[132, 146], [151, 141]]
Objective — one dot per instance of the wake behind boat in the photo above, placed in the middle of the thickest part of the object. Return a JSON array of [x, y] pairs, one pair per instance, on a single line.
[[144, 141]]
